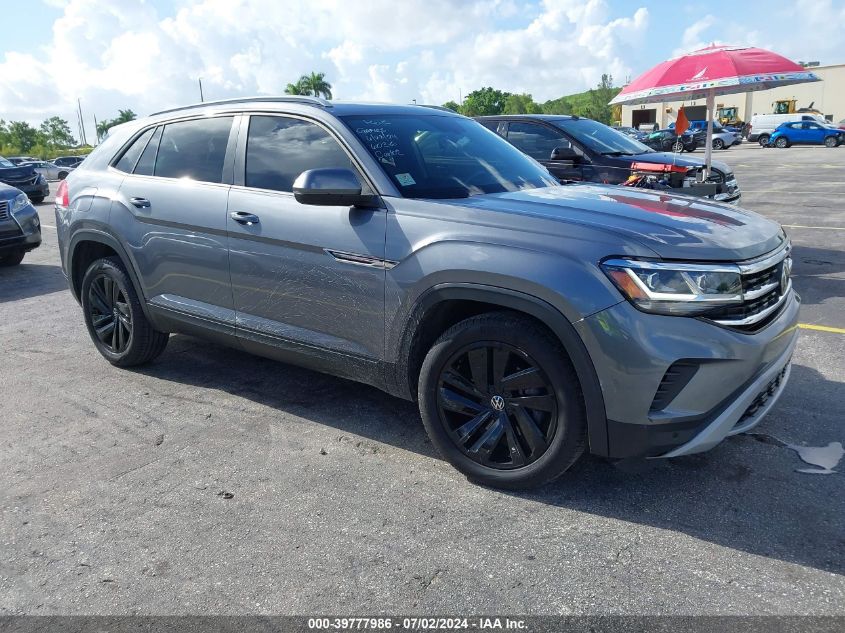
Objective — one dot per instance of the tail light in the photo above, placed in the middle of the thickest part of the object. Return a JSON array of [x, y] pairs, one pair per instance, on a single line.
[[62, 197]]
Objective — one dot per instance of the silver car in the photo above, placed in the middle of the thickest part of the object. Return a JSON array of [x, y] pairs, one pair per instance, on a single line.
[[49, 170], [413, 249]]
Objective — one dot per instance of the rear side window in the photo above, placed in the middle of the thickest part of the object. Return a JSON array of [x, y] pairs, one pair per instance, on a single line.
[[278, 149], [194, 149], [146, 164], [536, 140], [130, 156]]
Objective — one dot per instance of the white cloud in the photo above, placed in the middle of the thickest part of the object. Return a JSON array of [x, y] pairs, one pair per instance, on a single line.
[[127, 55]]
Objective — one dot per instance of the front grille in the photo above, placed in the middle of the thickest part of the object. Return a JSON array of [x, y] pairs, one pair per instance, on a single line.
[[4, 210], [763, 397], [764, 289], [18, 182]]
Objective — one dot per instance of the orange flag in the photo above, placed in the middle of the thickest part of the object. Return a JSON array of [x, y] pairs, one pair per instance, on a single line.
[[682, 123]]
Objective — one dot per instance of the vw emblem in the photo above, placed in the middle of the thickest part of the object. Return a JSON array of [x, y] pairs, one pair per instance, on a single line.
[[785, 273], [498, 403]]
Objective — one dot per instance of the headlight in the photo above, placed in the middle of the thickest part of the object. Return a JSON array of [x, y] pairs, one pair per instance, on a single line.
[[19, 202], [675, 289]]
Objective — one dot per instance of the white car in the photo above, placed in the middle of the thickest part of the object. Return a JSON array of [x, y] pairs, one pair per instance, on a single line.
[[49, 170]]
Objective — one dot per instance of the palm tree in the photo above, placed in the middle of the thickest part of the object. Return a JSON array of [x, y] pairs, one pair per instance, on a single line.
[[316, 84], [296, 89]]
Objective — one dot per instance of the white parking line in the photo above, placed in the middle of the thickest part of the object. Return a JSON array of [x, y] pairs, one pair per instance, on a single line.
[[824, 228], [49, 226]]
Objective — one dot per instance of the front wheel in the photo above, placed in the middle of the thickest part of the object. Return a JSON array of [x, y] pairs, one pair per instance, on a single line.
[[37, 199], [114, 317], [718, 143], [501, 401], [831, 141], [781, 142], [763, 140], [62, 175]]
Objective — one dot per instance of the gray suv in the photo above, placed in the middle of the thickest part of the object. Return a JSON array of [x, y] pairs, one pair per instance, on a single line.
[[413, 249]]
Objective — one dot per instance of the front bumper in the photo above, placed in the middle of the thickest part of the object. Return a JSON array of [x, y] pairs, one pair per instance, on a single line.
[[730, 390], [21, 231], [37, 187]]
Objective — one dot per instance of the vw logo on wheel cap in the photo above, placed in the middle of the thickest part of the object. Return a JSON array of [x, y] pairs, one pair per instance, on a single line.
[[498, 403]]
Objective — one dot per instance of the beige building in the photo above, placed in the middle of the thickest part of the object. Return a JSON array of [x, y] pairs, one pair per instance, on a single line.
[[827, 95]]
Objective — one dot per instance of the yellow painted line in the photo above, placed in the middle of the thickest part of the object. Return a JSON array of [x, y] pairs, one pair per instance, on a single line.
[[821, 328], [824, 228]]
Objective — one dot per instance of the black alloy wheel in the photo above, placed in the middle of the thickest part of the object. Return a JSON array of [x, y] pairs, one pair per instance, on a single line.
[[498, 405], [109, 313]]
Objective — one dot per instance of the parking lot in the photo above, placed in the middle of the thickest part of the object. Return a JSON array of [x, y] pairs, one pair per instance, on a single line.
[[215, 482]]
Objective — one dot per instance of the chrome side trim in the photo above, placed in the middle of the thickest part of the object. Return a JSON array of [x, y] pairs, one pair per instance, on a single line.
[[357, 259]]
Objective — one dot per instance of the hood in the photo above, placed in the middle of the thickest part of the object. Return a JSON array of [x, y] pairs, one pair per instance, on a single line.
[[7, 192], [673, 226], [16, 173], [665, 158]]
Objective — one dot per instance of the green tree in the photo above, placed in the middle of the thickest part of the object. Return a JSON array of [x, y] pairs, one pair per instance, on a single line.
[[484, 101], [452, 106], [22, 135], [295, 89], [55, 132], [597, 107], [521, 104], [123, 116], [561, 105], [314, 84]]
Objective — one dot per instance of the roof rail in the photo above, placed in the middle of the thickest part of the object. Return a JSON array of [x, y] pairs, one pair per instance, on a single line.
[[314, 101], [437, 107]]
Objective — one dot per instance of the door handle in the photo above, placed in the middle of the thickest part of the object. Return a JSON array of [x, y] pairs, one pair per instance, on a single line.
[[141, 203], [242, 217]]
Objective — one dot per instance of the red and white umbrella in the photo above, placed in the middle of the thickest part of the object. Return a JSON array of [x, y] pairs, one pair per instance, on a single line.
[[714, 70]]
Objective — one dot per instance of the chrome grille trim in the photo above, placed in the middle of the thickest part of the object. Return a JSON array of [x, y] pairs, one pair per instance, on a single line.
[[759, 316], [767, 262], [759, 292]]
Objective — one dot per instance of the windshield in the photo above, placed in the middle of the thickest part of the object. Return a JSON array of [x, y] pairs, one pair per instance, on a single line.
[[6, 163], [437, 156], [601, 138]]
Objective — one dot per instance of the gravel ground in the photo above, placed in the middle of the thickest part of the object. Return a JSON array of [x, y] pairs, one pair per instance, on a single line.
[[216, 482]]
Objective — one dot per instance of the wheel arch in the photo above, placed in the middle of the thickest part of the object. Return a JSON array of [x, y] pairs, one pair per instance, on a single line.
[[89, 244], [443, 305]]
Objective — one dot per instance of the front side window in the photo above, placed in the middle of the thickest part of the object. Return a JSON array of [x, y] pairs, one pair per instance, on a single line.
[[194, 149], [130, 156], [146, 164], [534, 139], [443, 156], [600, 138], [278, 149]]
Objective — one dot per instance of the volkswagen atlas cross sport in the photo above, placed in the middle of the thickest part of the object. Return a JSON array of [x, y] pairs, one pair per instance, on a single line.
[[413, 249]]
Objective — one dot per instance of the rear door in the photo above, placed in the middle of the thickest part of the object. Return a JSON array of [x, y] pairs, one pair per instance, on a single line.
[[304, 277], [171, 212]]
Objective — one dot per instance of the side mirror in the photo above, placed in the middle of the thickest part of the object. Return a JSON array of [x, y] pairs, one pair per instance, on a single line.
[[332, 187], [565, 152]]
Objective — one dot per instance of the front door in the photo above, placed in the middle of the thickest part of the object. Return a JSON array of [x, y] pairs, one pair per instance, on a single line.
[[305, 279], [538, 141]]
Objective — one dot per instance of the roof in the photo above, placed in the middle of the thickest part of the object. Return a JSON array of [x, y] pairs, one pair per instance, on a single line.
[[337, 108], [539, 117]]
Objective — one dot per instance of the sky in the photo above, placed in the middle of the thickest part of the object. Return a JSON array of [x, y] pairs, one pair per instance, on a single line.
[[147, 55]]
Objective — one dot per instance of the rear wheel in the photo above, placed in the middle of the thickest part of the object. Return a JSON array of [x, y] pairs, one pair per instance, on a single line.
[[62, 175], [114, 316], [830, 141], [502, 402], [12, 258], [781, 142], [763, 140]]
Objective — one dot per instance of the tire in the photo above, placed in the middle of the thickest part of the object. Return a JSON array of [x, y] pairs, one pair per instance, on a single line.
[[678, 147], [62, 175], [781, 142], [763, 140], [718, 143], [12, 258], [109, 298], [527, 444], [831, 141], [37, 199]]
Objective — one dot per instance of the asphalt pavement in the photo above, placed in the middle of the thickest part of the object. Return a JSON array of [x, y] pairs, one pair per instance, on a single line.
[[215, 482]]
